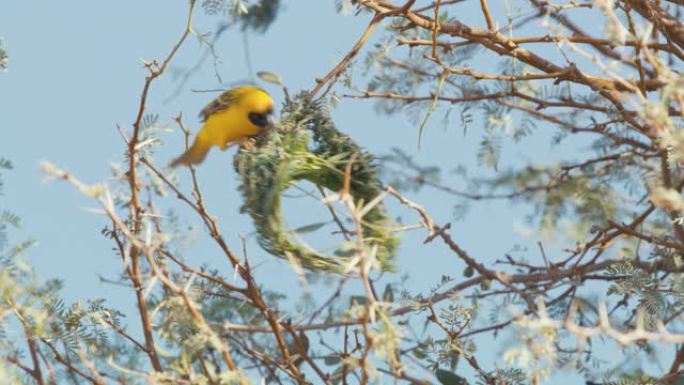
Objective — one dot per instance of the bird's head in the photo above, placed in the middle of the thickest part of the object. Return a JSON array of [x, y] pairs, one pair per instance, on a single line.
[[259, 106], [261, 119]]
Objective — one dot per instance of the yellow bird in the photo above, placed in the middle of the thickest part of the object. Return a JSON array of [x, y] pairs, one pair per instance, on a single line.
[[233, 117]]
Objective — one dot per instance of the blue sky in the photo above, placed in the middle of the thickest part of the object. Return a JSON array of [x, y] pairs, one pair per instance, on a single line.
[[76, 74]]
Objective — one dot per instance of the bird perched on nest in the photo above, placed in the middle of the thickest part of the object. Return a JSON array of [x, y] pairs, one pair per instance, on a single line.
[[233, 117]]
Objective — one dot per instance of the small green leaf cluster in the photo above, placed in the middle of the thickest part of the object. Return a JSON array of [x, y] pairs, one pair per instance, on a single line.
[[251, 15]]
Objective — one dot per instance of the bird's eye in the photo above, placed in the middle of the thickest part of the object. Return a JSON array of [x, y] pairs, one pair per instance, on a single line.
[[260, 120]]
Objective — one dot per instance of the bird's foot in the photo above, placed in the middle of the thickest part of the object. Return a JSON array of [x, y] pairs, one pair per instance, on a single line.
[[248, 143]]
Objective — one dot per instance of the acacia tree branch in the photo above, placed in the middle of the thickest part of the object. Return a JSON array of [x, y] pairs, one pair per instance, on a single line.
[[671, 27], [36, 372], [608, 88], [135, 207], [342, 65], [252, 291], [487, 14]]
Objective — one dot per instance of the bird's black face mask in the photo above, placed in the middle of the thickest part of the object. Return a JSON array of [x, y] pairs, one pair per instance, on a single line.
[[260, 119]]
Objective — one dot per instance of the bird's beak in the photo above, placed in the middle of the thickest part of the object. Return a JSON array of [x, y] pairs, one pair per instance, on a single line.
[[271, 121]]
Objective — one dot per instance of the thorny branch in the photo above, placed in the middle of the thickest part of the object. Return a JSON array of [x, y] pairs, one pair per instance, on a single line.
[[615, 99]]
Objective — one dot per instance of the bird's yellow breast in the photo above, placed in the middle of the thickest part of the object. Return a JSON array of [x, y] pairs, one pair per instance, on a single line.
[[229, 126]]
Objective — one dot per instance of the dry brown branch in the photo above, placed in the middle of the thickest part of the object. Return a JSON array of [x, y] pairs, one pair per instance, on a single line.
[[136, 209], [342, 65], [36, 372]]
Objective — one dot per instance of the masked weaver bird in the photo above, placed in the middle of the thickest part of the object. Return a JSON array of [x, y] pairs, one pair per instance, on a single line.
[[233, 117]]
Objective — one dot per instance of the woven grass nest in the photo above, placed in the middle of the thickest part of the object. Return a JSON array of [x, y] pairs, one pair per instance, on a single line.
[[305, 145]]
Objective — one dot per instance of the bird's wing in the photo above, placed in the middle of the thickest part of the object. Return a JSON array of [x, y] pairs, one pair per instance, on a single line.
[[221, 103]]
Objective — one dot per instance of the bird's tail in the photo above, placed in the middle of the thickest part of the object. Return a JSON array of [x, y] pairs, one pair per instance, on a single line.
[[195, 154]]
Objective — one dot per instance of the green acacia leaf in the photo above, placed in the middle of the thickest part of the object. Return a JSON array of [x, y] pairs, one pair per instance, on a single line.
[[5, 164], [680, 380], [448, 378], [332, 360], [388, 295], [310, 228], [270, 77]]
